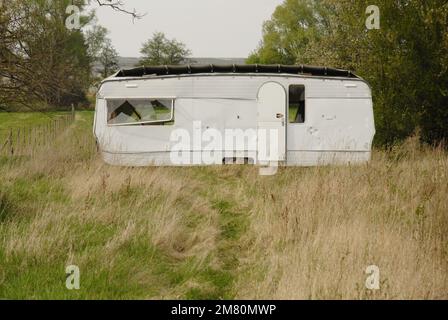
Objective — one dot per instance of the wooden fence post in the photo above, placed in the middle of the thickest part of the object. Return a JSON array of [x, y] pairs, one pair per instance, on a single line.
[[48, 133], [11, 143], [33, 143], [39, 136], [19, 145], [24, 140], [30, 140], [73, 113]]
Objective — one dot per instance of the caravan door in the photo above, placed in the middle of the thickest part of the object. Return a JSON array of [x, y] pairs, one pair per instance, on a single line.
[[271, 120]]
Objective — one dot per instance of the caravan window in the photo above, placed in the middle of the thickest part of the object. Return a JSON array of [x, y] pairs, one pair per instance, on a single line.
[[296, 104], [140, 111]]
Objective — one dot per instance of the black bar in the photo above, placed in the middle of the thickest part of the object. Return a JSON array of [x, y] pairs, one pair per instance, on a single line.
[[229, 309], [235, 68]]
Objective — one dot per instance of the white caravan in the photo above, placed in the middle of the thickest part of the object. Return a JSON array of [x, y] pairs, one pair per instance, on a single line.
[[178, 115]]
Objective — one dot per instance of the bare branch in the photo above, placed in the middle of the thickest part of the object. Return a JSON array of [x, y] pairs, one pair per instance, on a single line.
[[118, 5]]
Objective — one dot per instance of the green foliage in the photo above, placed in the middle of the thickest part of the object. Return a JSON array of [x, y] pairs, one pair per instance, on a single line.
[[42, 60], [293, 26], [95, 38], [45, 63], [405, 61], [108, 58], [161, 51], [100, 49]]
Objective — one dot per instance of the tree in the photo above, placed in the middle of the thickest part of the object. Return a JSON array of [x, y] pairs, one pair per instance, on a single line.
[[108, 58], [42, 62], [95, 39], [405, 61], [287, 36], [40, 59], [101, 50], [161, 51]]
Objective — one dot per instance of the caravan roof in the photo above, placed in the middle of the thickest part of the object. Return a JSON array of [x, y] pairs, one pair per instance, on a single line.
[[235, 69]]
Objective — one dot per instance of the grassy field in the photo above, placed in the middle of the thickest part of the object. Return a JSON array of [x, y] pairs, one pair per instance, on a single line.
[[15, 120], [222, 232]]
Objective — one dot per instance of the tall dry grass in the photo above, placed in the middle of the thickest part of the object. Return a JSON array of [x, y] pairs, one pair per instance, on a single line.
[[223, 232], [134, 233], [315, 231]]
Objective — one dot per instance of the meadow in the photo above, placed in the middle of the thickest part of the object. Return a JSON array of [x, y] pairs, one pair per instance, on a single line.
[[25, 119], [222, 232]]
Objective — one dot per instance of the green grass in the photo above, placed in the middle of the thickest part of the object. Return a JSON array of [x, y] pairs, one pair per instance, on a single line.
[[15, 120], [165, 269], [26, 119]]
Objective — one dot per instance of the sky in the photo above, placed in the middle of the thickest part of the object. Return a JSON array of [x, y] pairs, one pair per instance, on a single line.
[[209, 28]]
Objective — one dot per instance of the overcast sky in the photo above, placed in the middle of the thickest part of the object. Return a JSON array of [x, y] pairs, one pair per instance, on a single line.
[[209, 28]]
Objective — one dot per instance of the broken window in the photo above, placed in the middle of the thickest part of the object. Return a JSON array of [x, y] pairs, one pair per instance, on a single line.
[[140, 111], [297, 104]]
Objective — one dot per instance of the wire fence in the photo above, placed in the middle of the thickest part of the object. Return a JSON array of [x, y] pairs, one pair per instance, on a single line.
[[27, 141]]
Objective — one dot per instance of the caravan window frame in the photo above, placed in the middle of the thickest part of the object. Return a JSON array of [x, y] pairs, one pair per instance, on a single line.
[[155, 122], [305, 106]]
